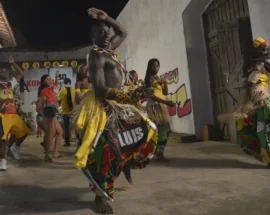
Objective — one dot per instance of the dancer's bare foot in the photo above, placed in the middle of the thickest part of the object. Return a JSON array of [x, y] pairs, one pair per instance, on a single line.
[[127, 173], [57, 155], [103, 205], [47, 159]]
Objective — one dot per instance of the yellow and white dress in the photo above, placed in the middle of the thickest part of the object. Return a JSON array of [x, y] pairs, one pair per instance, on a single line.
[[159, 114], [260, 85]]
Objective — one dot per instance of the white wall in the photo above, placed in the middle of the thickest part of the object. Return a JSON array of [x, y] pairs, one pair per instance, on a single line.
[[260, 18], [198, 65], [155, 30]]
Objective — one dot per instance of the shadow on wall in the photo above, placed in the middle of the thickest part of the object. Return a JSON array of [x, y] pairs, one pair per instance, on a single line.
[[179, 96]]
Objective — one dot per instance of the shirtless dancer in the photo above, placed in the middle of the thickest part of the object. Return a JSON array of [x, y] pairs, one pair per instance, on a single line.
[[106, 147]]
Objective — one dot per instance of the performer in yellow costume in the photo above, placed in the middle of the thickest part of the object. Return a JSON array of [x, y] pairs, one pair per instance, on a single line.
[[252, 117], [10, 121], [82, 87], [82, 82], [157, 105]]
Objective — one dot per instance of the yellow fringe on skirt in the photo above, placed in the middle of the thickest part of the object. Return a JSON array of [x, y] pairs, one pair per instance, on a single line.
[[157, 112], [91, 118]]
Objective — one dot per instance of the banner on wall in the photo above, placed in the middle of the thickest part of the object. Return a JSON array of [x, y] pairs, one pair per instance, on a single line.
[[63, 74], [32, 80]]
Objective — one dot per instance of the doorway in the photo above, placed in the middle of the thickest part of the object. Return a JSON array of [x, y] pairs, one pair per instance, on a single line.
[[229, 43]]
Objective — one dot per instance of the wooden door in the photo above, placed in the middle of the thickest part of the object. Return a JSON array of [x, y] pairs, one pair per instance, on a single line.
[[228, 39]]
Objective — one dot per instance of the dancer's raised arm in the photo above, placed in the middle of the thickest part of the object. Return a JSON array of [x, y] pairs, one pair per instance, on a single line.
[[119, 30]]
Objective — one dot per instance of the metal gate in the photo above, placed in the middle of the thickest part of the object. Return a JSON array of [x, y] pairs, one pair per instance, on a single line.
[[229, 42]]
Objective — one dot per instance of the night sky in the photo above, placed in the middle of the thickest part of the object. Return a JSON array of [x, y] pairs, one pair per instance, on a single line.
[[56, 24]]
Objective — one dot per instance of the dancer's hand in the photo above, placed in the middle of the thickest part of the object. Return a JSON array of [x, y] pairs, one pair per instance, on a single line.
[[163, 80], [141, 84], [57, 73], [97, 14], [136, 94], [148, 92]]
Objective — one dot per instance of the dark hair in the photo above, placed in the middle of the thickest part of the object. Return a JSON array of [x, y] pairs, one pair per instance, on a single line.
[[132, 72], [79, 76], [42, 83], [80, 68], [149, 72], [67, 81], [69, 97]]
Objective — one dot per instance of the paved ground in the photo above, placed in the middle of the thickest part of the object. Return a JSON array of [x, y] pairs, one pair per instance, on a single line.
[[202, 178]]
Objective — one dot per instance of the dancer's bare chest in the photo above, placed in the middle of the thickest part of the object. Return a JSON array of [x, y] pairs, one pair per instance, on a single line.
[[113, 73]]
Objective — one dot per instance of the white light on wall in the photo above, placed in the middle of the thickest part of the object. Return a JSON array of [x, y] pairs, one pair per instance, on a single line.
[[61, 65]]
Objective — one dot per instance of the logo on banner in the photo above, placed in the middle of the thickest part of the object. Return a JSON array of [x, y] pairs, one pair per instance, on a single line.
[[62, 77], [33, 83], [130, 137]]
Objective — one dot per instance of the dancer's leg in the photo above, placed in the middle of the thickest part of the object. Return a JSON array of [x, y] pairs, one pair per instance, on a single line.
[[10, 141], [58, 135], [49, 135], [41, 127], [5, 126], [66, 119], [262, 130], [163, 135], [102, 203], [20, 130], [3, 161]]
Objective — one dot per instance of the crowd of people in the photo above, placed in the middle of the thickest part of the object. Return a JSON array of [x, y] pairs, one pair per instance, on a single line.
[[115, 132]]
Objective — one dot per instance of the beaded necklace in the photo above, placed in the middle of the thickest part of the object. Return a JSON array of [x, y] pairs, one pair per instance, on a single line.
[[115, 57]]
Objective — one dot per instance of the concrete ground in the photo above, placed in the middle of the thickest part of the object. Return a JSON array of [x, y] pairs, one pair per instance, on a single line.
[[202, 178]]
